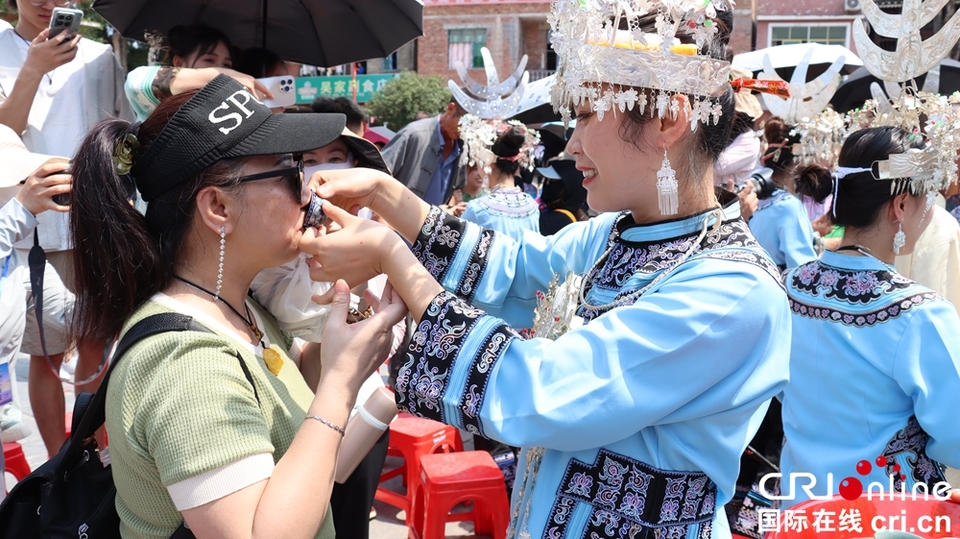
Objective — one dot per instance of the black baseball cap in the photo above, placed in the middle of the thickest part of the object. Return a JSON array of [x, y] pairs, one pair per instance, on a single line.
[[223, 121]]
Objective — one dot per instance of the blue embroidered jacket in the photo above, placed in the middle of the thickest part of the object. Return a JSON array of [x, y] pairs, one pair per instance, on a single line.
[[507, 211], [782, 227], [643, 411], [874, 371]]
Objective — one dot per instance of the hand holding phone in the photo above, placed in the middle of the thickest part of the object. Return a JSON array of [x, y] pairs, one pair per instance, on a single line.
[[64, 19], [283, 89]]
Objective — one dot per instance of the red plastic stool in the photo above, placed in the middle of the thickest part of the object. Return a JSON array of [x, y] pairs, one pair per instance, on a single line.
[[447, 480], [15, 461], [411, 438]]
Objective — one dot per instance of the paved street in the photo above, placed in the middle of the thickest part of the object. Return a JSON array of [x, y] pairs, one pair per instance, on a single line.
[[385, 526]]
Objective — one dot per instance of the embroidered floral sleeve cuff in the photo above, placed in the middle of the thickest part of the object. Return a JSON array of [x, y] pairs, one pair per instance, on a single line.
[[454, 251], [451, 358]]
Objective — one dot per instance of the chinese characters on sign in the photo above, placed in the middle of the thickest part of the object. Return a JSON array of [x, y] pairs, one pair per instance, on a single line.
[[310, 88]]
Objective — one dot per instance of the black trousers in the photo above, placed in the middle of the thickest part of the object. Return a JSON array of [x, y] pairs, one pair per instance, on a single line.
[[351, 501]]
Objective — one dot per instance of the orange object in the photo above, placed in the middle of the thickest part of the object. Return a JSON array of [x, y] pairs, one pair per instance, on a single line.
[[411, 438], [930, 518], [15, 461], [773, 87], [448, 480]]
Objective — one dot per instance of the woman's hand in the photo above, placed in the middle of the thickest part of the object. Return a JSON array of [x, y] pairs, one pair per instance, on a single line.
[[350, 189], [45, 55], [355, 253], [42, 185], [351, 352], [823, 224]]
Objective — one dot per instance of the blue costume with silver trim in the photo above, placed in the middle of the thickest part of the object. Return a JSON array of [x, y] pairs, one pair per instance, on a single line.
[[643, 412], [874, 371]]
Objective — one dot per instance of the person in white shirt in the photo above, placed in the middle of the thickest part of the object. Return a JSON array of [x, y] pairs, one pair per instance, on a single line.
[[52, 91]]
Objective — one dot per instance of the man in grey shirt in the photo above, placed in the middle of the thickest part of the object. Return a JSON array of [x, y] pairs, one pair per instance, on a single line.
[[425, 155]]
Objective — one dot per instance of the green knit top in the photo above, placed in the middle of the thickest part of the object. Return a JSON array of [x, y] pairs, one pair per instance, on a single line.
[[179, 405]]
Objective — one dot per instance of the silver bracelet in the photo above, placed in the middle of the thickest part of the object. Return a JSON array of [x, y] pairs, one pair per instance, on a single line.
[[327, 423]]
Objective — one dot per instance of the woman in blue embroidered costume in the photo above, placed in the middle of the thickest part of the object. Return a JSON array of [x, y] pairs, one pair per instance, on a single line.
[[780, 223], [875, 361], [505, 207], [633, 423]]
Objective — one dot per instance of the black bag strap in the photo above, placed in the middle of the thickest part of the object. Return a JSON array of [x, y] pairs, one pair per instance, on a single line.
[[37, 261], [92, 415]]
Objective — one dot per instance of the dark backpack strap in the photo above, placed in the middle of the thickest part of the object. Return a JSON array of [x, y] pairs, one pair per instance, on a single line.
[[246, 373], [92, 415]]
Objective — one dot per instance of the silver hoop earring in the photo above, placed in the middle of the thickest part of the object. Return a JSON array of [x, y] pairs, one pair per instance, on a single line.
[[668, 193], [223, 245], [899, 239]]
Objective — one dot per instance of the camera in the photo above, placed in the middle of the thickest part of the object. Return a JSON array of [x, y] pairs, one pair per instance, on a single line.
[[762, 180]]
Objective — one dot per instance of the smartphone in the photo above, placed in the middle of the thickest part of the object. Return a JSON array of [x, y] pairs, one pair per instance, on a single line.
[[283, 89], [62, 199], [65, 19]]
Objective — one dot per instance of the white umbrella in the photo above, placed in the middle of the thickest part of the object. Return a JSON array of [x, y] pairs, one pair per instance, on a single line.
[[784, 58]]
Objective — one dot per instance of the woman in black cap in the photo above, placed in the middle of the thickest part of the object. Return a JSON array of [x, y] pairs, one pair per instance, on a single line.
[[232, 448]]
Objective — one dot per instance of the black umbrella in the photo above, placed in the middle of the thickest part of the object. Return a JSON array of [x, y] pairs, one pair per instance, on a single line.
[[856, 89], [316, 32]]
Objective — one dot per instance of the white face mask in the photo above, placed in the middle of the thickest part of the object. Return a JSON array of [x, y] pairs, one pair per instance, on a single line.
[[349, 163]]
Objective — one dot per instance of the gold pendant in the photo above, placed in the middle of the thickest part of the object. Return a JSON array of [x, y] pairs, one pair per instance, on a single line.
[[273, 360]]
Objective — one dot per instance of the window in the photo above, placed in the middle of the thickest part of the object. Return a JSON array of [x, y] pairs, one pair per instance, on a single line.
[[390, 62], [828, 35], [464, 46]]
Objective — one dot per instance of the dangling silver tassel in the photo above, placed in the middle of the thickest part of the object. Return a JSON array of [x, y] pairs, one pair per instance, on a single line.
[[668, 192], [899, 240]]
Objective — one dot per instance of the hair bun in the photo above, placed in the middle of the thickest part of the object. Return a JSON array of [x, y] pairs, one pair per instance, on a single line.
[[815, 182]]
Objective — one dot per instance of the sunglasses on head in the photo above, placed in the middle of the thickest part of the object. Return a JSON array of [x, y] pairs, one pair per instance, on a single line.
[[294, 175]]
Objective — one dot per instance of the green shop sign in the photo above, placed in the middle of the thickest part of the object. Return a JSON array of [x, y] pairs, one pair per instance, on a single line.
[[310, 88]]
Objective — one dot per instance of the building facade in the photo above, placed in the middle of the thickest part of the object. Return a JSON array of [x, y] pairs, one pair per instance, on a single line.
[[457, 29]]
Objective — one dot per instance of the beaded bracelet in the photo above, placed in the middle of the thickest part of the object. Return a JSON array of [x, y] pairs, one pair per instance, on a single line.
[[327, 423]]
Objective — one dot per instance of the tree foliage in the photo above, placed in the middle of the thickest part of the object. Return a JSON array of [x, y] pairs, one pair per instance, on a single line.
[[402, 98]]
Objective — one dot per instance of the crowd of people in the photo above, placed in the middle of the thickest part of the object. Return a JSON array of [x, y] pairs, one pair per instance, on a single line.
[[680, 302]]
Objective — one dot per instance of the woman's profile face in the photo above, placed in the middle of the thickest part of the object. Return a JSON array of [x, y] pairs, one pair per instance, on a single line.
[[218, 57], [616, 174], [271, 223]]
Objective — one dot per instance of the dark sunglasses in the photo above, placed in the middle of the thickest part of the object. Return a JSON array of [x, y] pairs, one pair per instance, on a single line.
[[294, 175]]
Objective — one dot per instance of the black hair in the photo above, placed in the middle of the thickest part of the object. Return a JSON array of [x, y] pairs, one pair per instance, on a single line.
[[356, 117], [257, 62], [742, 122], [507, 148], [185, 40], [859, 197], [122, 258], [460, 110], [711, 138]]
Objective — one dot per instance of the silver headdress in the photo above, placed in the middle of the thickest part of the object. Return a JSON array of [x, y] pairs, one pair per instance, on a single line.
[[478, 136], [601, 42], [496, 99], [928, 115], [806, 99]]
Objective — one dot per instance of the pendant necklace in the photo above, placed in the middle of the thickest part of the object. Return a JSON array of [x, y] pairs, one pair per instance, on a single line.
[[270, 356]]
